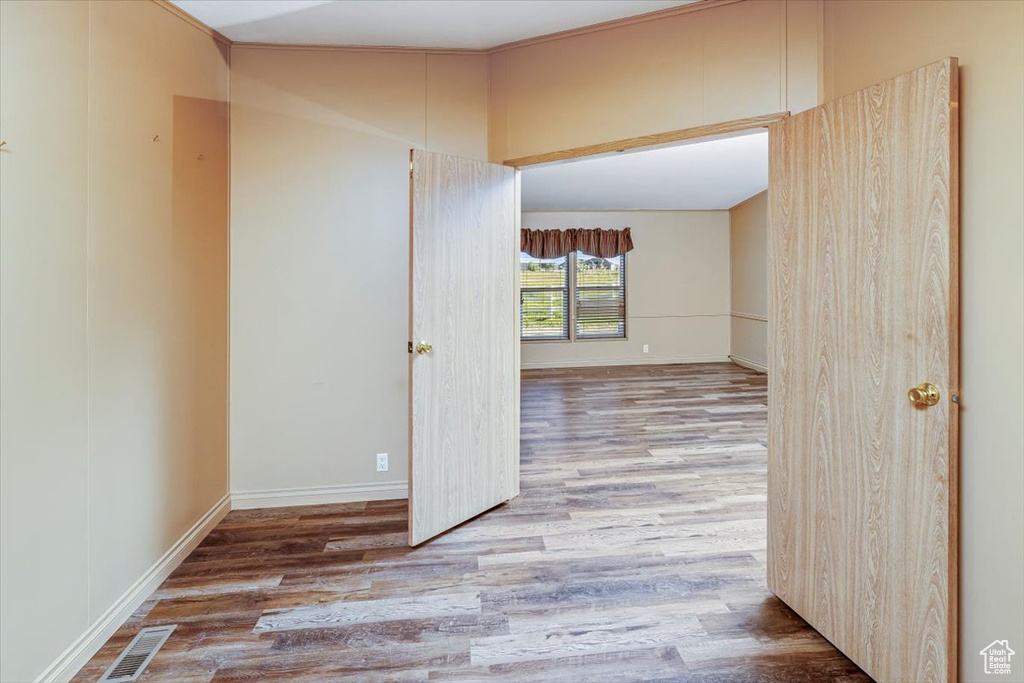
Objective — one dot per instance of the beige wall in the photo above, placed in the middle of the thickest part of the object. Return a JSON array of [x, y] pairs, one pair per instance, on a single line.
[[44, 586], [748, 230], [873, 41], [113, 271], [538, 92], [677, 289], [706, 66], [114, 307], [320, 258]]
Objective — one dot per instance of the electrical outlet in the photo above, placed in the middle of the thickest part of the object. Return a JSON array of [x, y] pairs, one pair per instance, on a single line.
[[646, 348], [382, 462]]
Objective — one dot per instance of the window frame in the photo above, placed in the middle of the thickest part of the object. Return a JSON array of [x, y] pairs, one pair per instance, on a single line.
[[575, 300], [570, 289], [569, 312]]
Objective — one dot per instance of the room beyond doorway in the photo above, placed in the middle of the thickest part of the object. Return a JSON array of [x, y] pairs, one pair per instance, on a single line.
[[694, 286]]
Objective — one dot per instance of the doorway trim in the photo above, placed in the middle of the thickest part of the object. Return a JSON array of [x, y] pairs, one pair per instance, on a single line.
[[653, 140]]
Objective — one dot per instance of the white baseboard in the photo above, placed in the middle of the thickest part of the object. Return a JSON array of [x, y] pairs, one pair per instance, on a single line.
[[669, 360], [318, 495], [749, 364], [82, 650], [89, 643]]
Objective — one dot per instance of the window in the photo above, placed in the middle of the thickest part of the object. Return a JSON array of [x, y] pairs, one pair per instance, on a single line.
[[585, 301], [600, 297], [543, 298]]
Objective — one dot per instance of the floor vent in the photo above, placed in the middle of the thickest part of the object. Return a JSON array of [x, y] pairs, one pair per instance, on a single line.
[[130, 664]]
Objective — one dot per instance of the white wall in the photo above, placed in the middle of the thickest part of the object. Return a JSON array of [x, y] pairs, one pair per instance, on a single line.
[[320, 259], [677, 290], [113, 313], [748, 228]]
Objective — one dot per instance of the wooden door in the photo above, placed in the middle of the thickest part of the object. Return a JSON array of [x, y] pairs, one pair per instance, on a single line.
[[464, 413], [862, 483]]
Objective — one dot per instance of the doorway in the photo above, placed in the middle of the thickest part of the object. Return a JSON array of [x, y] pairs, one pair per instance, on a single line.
[[657, 453], [862, 280], [862, 291]]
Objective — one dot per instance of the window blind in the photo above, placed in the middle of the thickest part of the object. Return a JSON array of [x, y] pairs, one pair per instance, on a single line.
[[600, 296]]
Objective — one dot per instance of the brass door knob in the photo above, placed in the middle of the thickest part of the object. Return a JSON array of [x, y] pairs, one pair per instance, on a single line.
[[423, 347], [924, 395]]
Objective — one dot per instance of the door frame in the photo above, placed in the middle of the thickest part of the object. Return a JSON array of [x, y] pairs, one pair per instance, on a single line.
[[665, 139], [707, 132]]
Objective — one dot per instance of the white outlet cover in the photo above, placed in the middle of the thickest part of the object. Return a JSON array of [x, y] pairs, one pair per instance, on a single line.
[[382, 462], [646, 348]]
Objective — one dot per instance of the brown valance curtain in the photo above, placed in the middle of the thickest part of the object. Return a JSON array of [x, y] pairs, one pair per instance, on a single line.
[[592, 241]]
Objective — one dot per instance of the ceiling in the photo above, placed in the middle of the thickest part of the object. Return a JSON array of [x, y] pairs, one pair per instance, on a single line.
[[713, 174], [466, 24]]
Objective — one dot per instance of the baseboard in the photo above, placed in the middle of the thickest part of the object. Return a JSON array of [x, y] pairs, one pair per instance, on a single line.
[[749, 364], [318, 495], [89, 643], [669, 360]]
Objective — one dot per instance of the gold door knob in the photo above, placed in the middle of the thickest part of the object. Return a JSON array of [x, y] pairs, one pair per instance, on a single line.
[[423, 347], [924, 395]]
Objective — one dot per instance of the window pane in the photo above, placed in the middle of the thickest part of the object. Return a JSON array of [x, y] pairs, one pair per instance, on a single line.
[[547, 272], [544, 298], [600, 297], [544, 315], [600, 272]]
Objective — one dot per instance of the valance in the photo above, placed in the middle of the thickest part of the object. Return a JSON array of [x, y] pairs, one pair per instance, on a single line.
[[592, 241]]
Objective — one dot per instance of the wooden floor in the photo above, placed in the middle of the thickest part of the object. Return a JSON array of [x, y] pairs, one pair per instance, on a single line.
[[635, 553]]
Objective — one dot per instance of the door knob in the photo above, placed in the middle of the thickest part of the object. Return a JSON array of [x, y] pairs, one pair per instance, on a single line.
[[924, 395], [423, 347]]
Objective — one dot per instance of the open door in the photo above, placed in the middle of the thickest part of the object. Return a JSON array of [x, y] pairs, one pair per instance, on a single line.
[[464, 363], [863, 373]]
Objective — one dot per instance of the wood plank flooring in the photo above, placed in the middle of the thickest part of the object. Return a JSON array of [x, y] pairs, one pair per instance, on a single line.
[[635, 552]]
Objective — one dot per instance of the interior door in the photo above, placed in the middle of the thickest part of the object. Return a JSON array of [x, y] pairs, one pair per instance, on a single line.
[[464, 362], [862, 465]]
